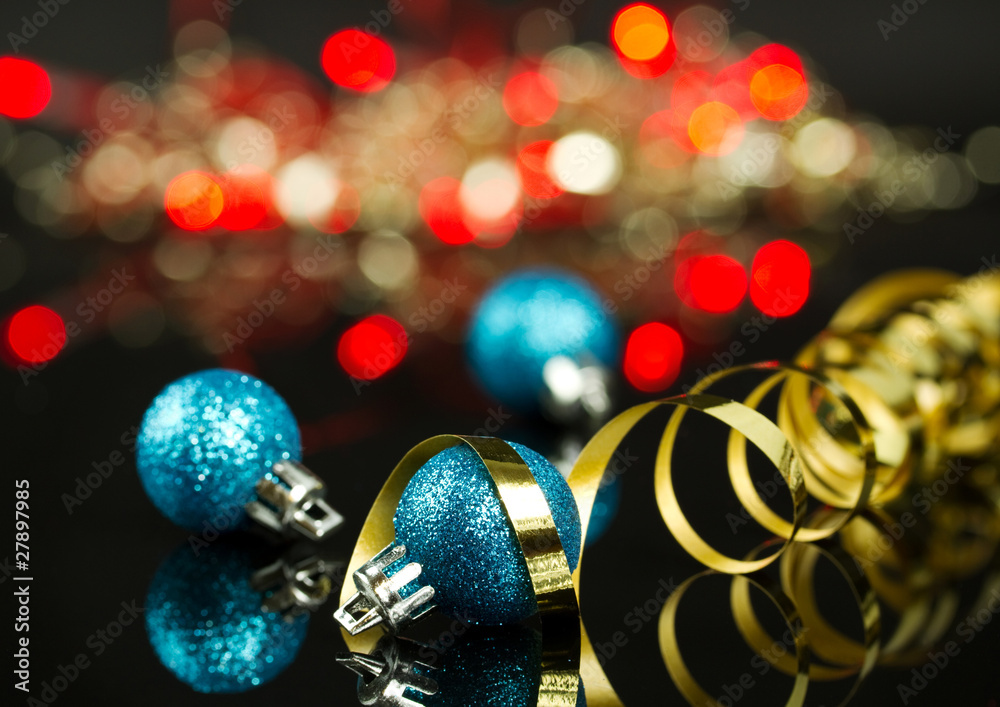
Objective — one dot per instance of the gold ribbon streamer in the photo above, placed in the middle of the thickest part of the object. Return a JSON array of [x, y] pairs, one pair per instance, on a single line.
[[530, 517], [832, 471]]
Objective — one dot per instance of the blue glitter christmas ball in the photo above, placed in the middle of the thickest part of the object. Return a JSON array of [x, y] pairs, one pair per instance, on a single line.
[[528, 318], [206, 440], [205, 622], [452, 522], [502, 667]]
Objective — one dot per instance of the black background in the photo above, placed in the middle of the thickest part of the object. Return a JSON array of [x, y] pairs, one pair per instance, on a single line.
[[939, 70]]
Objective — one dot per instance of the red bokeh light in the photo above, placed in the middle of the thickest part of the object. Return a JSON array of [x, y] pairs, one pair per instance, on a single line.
[[243, 203], [716, 283], [779, 280], [36, 334], [641, 36], [732, 87], [442, 211], [358, 60], [531, 167], [372, 347], [778, 86], [530, 98], [689, 92], [25, 88], [194, 200], [653, 357]]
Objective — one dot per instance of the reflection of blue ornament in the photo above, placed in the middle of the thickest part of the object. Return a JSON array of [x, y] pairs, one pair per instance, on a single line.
[[452, 532], [530, 318], [216, 445], [207, 626], [496, 667]]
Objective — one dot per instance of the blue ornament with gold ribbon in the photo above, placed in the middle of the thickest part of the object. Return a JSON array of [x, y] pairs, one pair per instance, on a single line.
[[462, 510]]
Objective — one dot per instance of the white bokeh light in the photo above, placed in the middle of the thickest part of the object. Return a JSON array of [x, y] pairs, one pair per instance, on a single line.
[[307, 189], [490, 189], [584, 163]]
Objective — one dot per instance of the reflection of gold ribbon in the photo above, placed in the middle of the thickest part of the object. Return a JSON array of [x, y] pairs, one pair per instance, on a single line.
[[847, 657], [525, 505], [743, 613]]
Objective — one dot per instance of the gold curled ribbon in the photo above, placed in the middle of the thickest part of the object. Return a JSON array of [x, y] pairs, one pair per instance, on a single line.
[[836, 476], [900, 412], [742, 612], [765, 435], [530, 517], [885, 295]]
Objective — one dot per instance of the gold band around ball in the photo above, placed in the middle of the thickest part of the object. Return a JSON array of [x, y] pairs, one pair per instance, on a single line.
[[531, 519]]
